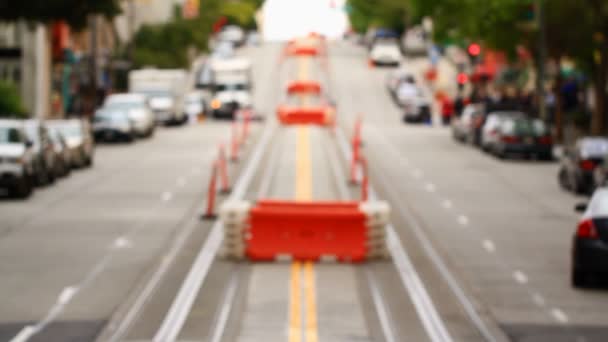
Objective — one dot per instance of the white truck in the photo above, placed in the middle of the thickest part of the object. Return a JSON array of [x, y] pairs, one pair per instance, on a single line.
[[231, 86], [165, 89]]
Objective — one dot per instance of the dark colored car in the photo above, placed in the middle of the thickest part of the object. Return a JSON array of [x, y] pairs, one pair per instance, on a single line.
[[523, 136], [580, 162], [45, 156], [590, 243]]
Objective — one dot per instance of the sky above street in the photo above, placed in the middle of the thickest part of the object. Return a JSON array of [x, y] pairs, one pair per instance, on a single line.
[[286, 19]]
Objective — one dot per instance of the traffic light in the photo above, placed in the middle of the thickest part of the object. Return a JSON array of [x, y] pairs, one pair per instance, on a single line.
[[474, 51], [462, 79]]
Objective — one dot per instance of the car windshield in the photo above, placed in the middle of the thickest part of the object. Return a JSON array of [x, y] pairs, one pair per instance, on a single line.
[[122, 105], [70, 130], [524, 127], [9, 135], [113, 117], [599, 204], [231, 87], [594, 147]]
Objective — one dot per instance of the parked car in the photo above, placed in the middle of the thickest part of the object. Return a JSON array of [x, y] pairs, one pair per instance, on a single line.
[[579, 163], [416, 106], [415, 42], [63, 166], [138, 109], [464, 126], [395, 78], [79, 139], [489, 131], [16, 159], [590, 242], [113, 125], [523, 136], [385, 52], [45, 156]]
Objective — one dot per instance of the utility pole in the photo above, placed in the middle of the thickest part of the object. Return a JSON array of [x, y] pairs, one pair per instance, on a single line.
[[542, 59]]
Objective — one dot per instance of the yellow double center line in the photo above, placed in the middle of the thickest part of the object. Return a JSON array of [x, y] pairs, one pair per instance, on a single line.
[[303, 291]]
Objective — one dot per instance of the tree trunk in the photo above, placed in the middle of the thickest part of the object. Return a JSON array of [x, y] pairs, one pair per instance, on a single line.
[[601, 78]]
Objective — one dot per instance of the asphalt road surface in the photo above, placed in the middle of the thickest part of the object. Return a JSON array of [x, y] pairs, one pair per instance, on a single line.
[[104, 254]]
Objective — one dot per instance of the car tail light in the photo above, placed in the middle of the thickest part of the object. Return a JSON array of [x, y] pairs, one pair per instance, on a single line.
[[545, 140], [586, 230], [510, 139], [587, 165]]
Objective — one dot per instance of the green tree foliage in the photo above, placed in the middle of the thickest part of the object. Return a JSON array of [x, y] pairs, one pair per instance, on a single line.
[[10, 102], [380, 13], [75, 12], [167, 45]]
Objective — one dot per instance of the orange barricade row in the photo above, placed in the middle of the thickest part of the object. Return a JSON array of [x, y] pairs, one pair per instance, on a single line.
[[323, 116], [304, 87]]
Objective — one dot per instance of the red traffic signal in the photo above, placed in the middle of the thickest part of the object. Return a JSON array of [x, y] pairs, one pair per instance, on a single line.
[[474, 49], [462, 78]]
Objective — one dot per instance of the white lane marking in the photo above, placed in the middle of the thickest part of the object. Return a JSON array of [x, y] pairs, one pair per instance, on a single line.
[[538, 299], [447, 204], [122, 243], [182, 304], [423, 303], [25, 334], [166, 196], [463, 220], [66, 295], [489, 246], [559, 315], [426, 245], [430, 187], [385, 321], [152, 284], [520, 277], [181, 182], [226, 308]]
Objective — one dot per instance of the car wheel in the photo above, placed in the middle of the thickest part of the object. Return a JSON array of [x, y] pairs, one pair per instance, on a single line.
[[51, 176], [23, 189], [579, 278], [547, 157], [562, 178]]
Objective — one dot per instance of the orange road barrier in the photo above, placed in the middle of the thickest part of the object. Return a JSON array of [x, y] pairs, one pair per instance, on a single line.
[[365, 181], [234, 144], [211, 193], [307, 232], [304, 87], [223, 170], [323, 116], [295, 50], [355, 160]]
